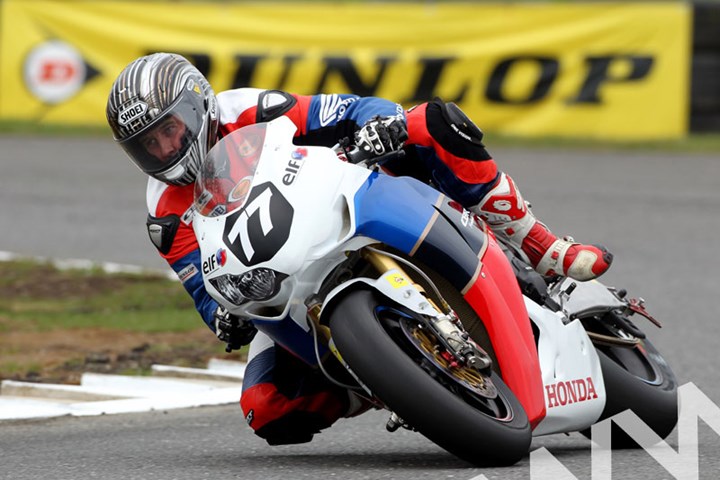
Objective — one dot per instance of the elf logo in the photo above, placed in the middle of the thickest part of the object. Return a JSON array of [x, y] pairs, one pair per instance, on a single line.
[[571, 391], [214, 261], [293, 165]]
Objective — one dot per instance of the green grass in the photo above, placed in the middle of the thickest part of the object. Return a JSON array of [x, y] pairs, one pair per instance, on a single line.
[[37, 296], [8, 369], [56, 323]]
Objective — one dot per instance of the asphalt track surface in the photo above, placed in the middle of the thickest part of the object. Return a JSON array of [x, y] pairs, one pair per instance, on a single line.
[[657, 212]]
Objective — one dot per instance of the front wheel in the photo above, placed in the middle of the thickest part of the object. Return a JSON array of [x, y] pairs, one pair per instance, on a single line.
[[473, 416]]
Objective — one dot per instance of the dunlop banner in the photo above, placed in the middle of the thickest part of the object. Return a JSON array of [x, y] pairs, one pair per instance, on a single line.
[[603, 70]]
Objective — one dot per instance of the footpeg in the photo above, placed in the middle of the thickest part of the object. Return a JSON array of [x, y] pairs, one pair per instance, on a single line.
[[395, 422]]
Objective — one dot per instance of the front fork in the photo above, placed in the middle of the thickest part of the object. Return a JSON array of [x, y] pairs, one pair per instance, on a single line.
[[384, 263]]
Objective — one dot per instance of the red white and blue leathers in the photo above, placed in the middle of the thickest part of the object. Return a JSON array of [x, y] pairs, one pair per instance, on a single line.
[[283, 401]]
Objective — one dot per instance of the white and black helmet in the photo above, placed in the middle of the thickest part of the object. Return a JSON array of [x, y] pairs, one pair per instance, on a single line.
[[154, 88]]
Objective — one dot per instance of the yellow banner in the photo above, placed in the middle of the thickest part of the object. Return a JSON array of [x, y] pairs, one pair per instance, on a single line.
[[606, 70]]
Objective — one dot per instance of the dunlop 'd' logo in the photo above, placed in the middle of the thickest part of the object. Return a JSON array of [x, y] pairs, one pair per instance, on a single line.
[[132, 112]]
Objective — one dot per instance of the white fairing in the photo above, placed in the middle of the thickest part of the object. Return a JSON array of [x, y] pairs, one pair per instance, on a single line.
[[321, 190], [572, 378]]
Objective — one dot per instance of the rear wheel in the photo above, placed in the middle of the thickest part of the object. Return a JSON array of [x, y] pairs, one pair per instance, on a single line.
[[636, 378], [471, 414]]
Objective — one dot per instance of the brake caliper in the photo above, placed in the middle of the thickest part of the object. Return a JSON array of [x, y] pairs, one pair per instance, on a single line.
[[458, 343]]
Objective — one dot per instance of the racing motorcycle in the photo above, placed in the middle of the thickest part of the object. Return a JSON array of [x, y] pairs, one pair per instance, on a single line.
[[406, 299]]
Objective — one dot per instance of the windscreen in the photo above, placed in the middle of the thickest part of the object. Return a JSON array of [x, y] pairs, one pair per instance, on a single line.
[[225, 176]]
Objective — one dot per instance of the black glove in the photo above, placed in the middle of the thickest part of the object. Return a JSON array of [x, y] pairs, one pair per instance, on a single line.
[[381, 135], [233, 330]]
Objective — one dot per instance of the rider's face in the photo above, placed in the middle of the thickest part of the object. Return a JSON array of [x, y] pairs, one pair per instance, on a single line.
[[165, 140]]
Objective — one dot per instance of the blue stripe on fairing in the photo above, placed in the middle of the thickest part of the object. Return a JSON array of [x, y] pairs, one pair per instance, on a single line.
[[394, 210]]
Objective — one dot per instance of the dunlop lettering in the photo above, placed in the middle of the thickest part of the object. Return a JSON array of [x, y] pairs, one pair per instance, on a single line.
[[429, 80], [599, 73], [549, 68]]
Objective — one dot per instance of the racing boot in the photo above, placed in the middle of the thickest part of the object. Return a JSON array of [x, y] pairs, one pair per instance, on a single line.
[[512, 222]]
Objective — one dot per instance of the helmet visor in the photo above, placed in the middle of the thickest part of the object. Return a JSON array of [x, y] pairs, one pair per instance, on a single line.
[[166, 140]]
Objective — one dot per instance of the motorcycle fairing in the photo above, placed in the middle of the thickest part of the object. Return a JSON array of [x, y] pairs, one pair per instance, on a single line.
[[408, 215], [394, 210], [307, 250], [359, 208], [496, 297], [573, 386]]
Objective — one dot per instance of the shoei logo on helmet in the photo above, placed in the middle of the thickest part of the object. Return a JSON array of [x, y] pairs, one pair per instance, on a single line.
[[132, 112]]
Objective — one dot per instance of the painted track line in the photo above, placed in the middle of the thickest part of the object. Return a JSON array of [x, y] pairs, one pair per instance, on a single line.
[[101, 394]]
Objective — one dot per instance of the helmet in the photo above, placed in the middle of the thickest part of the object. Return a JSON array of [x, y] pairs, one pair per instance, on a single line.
[[163, 113]]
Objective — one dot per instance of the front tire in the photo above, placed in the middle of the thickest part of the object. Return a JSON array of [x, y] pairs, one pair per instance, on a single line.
[[478, 431]]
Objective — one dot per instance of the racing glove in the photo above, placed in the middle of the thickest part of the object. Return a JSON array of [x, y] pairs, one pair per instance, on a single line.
[[233, 330], [381, 135]]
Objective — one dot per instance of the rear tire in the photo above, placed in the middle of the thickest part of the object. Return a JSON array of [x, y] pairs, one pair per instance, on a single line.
[[638, 379], [488, 432]]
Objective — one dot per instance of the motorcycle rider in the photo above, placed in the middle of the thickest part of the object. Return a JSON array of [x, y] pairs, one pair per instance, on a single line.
[[165, 116]]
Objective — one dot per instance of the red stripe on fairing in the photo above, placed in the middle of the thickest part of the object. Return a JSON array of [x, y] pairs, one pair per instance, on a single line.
[[497, 299], [267, 404]]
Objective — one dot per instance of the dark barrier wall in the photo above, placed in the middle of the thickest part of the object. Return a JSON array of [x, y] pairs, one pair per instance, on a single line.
[[705, 87]]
